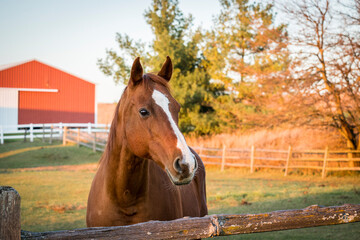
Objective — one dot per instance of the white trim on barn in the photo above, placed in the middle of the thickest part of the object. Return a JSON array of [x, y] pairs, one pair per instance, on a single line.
[[9, 105], [9, 102], [34, 89]]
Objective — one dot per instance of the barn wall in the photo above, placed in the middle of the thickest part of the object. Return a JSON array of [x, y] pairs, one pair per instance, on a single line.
[[105, 112], [74, 101]]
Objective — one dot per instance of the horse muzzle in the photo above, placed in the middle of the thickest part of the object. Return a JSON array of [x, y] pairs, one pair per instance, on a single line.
[[182, 174]]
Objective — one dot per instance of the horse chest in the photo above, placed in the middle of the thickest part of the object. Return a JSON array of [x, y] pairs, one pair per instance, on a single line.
[[154, 206]]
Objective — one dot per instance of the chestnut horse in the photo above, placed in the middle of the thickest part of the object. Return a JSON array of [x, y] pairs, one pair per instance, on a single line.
[[147, 171]]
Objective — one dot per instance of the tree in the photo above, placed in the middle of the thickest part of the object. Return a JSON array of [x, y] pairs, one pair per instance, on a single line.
[[247, 53], [327, 77], [174, 37]]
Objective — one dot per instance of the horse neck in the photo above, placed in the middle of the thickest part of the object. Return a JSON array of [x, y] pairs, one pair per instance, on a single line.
[[126, 174]]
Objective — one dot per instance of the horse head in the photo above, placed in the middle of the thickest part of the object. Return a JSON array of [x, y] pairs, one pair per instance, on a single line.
[[150, 118]]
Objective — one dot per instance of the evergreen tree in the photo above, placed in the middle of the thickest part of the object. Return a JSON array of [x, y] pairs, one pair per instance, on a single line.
[[190, 82], [247, 53]]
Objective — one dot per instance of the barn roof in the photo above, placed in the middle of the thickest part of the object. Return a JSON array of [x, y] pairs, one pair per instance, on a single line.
[[11, 65]]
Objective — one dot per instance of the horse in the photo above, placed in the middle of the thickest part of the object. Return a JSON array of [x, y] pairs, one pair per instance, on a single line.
[[147, 171]]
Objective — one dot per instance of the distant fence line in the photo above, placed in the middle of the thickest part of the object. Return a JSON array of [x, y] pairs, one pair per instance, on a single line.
[[324, 160], [253, 158], [46, 131], [94, 136]]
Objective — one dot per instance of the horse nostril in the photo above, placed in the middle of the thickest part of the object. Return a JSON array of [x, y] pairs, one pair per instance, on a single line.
[[177, 165]]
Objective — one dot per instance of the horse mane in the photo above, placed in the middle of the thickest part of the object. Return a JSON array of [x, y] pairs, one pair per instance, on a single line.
[[149, 79]]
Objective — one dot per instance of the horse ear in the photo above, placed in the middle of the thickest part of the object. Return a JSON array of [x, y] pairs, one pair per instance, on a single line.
[[136, 72], [166, 70]]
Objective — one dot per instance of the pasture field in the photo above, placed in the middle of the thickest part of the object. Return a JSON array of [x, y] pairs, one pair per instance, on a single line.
[[58, 156], [20, 144], [55, 198]]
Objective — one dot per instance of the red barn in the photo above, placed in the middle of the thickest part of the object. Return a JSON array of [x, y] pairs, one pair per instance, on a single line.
[[34, 92]]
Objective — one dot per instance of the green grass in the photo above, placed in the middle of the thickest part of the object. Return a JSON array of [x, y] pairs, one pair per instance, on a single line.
[[10, 145], [70, 155], [45, 194], [55, 200], [270, 191]]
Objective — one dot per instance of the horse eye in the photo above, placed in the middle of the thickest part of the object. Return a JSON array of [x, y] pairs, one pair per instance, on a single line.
[[143, 112]]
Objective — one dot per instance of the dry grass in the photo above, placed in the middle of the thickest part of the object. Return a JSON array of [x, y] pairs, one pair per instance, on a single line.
[[298, 138], [61, 208]]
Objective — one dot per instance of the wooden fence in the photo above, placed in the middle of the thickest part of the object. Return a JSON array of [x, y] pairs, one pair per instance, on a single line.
[[323, 160], [96, 140], [184, 228]]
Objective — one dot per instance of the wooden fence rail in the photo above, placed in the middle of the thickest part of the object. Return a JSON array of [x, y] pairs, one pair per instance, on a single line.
[[184, 228], [322, 160], [96, 140], [254, 158]]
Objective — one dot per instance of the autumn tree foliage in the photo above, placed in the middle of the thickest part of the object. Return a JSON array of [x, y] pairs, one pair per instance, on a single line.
[[325, 82]]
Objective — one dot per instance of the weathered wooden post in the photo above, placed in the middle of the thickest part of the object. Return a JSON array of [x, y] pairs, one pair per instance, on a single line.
[[64, 135], [288, 160], [223, 158], [10, 213], [323, 174], [252, 159]]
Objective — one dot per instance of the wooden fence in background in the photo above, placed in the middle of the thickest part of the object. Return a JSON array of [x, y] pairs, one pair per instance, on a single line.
[[94, 140], [324, 160], [183, 228]]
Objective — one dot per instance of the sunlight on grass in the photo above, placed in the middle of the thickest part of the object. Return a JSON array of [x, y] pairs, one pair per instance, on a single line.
[[57, 199], [44, 193], [70, 155]]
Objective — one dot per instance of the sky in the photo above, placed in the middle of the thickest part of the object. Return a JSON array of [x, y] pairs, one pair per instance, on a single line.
[[72, 34]]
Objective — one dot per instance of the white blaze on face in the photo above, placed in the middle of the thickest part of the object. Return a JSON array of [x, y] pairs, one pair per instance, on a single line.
[[162, 101]]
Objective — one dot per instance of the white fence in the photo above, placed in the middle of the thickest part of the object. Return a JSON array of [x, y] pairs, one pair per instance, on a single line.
[[48, 130]]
